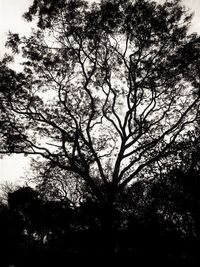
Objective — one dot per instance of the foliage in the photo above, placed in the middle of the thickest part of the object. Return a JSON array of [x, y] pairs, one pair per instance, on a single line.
[[164, 210]]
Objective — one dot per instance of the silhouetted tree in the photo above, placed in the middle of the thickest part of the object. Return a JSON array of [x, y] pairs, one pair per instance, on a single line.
[[106, 89], [24, 202], [41, 219]]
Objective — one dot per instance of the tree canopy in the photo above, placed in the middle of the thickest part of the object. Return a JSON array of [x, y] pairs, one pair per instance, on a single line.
[[106, 90]]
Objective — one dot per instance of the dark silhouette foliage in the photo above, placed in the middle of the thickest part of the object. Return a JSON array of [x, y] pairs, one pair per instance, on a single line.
[[157, 220]]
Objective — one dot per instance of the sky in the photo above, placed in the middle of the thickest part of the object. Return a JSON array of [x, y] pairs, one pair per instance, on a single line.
[[12, 168], [11, 19], [194, 6]]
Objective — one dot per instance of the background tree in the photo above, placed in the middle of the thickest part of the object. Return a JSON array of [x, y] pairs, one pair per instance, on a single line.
[[105, 92]]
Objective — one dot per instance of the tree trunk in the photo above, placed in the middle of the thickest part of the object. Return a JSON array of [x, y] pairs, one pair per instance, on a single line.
[[108, 221]]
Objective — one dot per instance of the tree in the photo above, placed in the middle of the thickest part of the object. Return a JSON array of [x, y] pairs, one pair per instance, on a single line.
[[25, 203], [106, 90]]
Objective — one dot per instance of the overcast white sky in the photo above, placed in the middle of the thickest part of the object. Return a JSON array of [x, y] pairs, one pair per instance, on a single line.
[[11, 19], [12, 168]]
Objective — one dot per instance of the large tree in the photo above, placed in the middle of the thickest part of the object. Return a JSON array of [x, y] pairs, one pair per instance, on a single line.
[[106, 89]]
